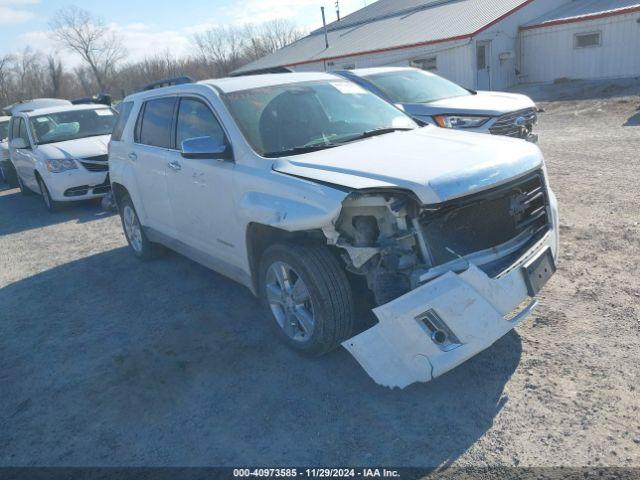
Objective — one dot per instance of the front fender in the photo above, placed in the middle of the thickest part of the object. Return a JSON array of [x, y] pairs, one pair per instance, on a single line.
[[291, 204]]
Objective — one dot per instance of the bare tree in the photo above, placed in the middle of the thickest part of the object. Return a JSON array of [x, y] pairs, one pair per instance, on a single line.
[[230, 47], [54, 69], [98, 46], [6, 63], [222, 46]]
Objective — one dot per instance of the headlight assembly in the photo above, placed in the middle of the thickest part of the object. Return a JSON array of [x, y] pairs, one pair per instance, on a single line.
[[62, 165], [460, 121]]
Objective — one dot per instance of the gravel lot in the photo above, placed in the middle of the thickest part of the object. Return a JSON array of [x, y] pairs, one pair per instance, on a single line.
[[109, 361]]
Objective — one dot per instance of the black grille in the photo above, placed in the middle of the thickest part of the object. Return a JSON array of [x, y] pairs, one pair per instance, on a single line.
[[506, 124], [488, 219], [99, 163]]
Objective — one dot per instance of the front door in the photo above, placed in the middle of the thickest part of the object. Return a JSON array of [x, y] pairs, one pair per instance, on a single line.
[[483, 65], [201, 190]]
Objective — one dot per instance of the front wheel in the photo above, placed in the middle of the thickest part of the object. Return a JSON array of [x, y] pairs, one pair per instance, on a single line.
[[141, 246], [306, 292], [50, 204]]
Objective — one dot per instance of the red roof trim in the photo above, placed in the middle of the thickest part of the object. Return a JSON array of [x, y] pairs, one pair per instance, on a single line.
[[583, 18], [419, 44]]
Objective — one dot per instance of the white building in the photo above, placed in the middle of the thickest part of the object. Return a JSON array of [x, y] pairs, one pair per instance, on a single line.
[[583, 39], [481, 44]]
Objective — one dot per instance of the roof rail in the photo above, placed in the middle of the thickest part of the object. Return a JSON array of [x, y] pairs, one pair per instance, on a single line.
[[167, 82]]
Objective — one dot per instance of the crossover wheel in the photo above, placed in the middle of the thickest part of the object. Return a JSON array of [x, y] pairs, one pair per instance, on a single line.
[[306, 292], [141, 246], [50, 204]]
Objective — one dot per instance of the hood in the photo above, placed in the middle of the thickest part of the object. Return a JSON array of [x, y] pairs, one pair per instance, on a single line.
[[80, 148], [484, 103], [435, 163]]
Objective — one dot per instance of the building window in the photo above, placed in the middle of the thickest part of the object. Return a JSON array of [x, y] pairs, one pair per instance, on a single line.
[[587, 40], [430, 64]]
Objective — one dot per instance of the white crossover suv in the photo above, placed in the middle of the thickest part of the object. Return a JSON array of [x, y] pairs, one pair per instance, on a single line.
[[307, 188], [61, 152]]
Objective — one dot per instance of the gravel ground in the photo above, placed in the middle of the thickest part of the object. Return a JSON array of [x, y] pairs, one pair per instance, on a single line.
[[109, 361]]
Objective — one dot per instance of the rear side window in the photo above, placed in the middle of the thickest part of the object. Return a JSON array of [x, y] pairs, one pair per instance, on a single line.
[[156, 122], [195, 120], [123, 116]]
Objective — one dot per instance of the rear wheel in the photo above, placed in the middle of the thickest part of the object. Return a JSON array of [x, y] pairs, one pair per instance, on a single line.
[[306, 292], [141, 246], [50, 204]]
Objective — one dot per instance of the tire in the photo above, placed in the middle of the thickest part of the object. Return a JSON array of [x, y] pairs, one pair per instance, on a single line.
[[50, 204], [140, 245], [23, 190], [325, 294]]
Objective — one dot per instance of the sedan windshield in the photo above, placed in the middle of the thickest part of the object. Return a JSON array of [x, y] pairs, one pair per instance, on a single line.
[[4, 131], [415, 86], [72, 125], [297, 118]]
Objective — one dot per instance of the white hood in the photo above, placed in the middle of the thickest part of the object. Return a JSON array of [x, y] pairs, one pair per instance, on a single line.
[[436, 164], [80, 148], [483, 103]]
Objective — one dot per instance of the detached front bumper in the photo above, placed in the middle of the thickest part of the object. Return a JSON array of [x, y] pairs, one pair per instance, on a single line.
[[444, 322]]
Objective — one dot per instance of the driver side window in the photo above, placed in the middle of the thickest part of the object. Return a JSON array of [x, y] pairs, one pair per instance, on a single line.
[[195, 119]]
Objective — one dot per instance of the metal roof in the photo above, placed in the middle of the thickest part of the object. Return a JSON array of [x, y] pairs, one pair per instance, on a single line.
[[391, 24], [583, 10]]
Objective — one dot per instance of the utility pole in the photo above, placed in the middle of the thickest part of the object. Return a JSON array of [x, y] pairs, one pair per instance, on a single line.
[[324, 25]]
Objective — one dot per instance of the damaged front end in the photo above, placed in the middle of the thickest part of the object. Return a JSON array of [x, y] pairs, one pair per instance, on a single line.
[[448, 280]]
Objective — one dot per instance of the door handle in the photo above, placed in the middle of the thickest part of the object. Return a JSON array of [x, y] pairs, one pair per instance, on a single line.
[[175, 166], [133, 157]]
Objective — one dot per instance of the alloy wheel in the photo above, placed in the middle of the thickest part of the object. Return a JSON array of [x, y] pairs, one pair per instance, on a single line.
[[290, 301], [132, 228]]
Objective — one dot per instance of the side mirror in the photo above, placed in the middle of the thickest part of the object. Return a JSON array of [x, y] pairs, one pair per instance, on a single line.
[[206, 148], [19, 143]]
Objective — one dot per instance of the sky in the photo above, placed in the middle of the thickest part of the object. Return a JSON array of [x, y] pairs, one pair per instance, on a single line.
[[150, 27]]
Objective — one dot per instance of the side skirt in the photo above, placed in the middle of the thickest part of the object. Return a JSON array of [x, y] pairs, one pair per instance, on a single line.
[[223, 268]]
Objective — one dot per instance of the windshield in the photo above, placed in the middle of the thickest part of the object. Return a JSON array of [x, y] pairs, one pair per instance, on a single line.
[[4, 131], [415, 86], [72, 125], [287, 119]]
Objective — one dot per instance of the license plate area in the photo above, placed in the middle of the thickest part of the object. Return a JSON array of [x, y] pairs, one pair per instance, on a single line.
[[538, 271]]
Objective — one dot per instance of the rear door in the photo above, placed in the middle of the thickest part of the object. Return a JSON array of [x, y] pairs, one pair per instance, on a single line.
[[201, 190], [149, 156]]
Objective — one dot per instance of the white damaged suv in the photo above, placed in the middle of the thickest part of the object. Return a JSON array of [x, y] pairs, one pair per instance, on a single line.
[[307, 188]]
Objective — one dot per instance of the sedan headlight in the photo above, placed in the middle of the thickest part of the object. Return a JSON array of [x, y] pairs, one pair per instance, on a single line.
[[62, 165], [460, 121]]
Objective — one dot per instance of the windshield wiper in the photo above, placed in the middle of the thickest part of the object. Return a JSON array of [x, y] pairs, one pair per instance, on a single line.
[[300, 150], [376, 132]]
